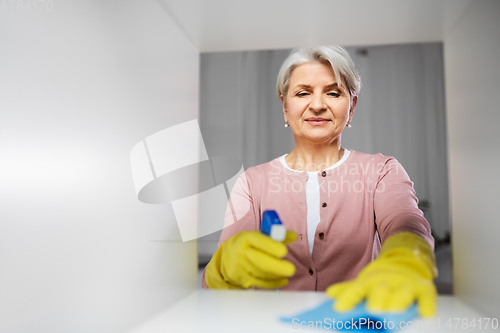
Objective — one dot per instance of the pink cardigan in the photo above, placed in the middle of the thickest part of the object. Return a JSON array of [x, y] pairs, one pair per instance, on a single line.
[[363, 201]]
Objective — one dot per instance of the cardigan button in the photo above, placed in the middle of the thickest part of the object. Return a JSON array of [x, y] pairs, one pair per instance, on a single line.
[[321, 235], [323, 173], [324, 204], [311, 272]]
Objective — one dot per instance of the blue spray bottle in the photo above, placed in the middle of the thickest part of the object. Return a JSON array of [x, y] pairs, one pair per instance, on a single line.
[[272, 226]]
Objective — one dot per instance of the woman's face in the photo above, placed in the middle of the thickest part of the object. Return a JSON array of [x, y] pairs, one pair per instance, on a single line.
[[317, 107]]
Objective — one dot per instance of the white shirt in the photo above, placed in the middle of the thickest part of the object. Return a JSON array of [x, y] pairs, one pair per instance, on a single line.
[[312, 197]]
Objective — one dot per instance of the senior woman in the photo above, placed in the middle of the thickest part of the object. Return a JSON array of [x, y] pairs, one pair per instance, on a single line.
[[355, 229]]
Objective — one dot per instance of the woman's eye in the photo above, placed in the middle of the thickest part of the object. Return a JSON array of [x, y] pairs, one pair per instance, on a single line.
[[302, 94], [333, 94]]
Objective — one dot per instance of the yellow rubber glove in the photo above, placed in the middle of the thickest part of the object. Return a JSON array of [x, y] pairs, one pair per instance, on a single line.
[[401, 274], [250, 259]]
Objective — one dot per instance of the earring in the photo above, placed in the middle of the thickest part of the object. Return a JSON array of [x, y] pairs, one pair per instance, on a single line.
[[287, 124], [348, 125]]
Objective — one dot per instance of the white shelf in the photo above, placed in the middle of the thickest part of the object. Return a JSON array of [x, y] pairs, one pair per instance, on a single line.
[[258, 311]]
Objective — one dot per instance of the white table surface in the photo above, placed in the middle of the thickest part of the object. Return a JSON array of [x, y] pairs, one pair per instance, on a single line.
[[258, 311]]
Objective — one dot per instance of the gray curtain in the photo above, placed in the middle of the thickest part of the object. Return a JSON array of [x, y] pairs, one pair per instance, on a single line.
[[400, 112], [240, 113]]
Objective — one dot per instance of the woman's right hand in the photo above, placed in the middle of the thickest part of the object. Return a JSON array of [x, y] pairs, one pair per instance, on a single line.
[[250, 259]]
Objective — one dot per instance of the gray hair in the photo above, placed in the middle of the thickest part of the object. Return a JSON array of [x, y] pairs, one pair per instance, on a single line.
[[336, 56]]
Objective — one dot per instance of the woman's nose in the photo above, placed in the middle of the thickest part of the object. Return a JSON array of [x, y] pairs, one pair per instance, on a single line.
[[317, 103]]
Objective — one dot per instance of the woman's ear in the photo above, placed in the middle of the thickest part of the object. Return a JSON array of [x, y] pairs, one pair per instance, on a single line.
[[283, 104], [353, 106]]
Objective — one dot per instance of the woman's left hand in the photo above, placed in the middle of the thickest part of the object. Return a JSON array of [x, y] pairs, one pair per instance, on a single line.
[[401, 274]]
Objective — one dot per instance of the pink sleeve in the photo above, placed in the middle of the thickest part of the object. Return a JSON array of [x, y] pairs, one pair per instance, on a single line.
[[396, 205], [240, 214]]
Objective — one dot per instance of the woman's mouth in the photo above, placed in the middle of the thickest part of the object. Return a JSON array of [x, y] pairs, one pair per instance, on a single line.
[[317, 121]]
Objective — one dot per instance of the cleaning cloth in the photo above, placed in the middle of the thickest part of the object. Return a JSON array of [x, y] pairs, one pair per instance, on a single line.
[[358, 319]]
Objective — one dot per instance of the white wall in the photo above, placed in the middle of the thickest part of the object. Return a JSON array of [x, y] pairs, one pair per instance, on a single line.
[[81, 85], [473, 114]]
